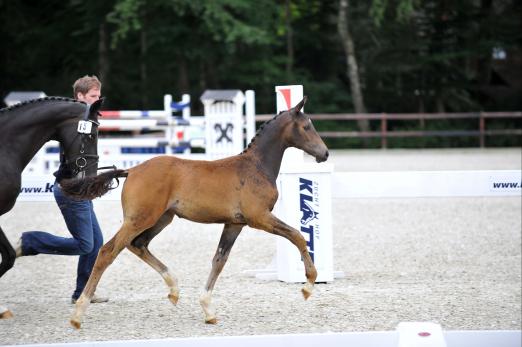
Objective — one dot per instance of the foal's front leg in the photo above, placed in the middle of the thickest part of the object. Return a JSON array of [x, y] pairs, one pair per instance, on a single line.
[[274, 225], [5, 313], [228, 237]]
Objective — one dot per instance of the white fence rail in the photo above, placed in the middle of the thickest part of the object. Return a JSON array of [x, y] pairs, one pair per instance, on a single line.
[[397, 184]]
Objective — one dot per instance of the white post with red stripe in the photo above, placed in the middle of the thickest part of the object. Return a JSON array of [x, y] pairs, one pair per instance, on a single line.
[[286, 98], [305, 203]]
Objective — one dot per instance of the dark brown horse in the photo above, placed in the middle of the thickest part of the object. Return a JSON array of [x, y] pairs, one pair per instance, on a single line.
[[24, 129], [236, 191]]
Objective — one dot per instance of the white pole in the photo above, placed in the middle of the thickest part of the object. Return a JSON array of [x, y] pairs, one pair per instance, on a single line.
[[185, 114], [167, 106], [185, 99], [250, 115]]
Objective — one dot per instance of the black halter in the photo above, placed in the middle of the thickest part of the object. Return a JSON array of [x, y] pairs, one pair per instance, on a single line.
[[78, 164], [80, 160]]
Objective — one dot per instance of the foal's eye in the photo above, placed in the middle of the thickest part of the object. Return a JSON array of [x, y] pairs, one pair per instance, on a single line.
[[307, 127]]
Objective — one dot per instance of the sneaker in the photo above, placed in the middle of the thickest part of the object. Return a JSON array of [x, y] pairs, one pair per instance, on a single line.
[[94, 300], [18, 248]]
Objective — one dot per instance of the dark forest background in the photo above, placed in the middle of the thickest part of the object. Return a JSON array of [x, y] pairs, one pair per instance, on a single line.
[[395, 56]]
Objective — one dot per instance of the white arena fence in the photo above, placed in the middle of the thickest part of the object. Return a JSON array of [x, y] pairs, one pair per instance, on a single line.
[[407, 334], [397, 184]]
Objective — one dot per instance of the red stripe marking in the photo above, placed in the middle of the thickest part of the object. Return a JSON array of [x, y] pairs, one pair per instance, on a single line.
[[110, 114], [287, 97]]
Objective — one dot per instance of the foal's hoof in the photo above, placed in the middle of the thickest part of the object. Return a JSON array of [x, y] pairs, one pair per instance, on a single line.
[[6, 315], [212, 320], [307, 290], [173, 298], [76, 324]]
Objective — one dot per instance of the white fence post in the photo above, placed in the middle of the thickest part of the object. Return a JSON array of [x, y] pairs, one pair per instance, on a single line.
[[167, 106], [186, 115], [250, 115]]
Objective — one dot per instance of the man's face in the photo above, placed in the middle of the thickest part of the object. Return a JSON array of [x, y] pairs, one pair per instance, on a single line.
[[90, 97]]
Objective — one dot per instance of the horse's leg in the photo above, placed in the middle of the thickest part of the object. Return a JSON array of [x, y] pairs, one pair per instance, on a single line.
[[8, 259], [228, 237], [7, 252], [5, 313], [272, 224], [106, 256], [139, 246]]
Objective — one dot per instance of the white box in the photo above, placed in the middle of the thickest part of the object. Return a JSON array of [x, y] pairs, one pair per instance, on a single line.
[[305, 203]]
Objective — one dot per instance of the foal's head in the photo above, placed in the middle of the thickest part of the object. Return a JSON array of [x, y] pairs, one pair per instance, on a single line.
[[300, 133]]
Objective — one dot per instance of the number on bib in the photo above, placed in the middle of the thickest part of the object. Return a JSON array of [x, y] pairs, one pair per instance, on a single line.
[[84, 127]]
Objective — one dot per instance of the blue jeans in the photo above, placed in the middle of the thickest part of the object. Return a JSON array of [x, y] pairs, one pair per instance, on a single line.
[[86, 238]]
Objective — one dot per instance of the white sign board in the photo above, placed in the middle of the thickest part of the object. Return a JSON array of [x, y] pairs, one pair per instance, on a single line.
[[306, 204], [40, 188], [411, 184]]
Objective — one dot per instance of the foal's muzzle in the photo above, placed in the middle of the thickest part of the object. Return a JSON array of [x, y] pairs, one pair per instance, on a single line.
[[323, 157]]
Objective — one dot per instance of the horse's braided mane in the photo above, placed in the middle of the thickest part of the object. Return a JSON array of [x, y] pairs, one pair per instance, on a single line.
[[260, 130], [32, 101]]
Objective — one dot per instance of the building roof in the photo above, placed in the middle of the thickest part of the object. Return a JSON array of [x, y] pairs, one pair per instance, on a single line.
[[220, 94]]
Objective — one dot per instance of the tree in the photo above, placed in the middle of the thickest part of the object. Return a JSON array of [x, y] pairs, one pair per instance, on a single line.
[[352, 70]]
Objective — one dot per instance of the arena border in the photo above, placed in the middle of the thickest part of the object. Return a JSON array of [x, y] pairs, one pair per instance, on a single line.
[[390, 184], [408, 334]]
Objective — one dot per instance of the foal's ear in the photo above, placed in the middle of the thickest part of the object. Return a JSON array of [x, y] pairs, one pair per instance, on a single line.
[[300, 105], [95, 108]]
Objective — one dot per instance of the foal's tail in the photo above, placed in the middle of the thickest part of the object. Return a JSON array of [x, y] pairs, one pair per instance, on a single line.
[[89, 188]]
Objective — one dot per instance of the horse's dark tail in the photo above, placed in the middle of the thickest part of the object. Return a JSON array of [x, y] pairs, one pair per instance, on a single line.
[[89, 188]]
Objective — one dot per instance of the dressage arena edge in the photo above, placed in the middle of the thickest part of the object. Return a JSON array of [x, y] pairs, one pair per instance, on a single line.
[[498, 338], [450, 260]]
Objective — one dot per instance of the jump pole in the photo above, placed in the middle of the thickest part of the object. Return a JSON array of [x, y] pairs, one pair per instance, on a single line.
[[174, 127]]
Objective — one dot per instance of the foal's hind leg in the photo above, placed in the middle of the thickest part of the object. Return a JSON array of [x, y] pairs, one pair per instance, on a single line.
[[106, 256], [228, 237], [272, 224], [139, 246]]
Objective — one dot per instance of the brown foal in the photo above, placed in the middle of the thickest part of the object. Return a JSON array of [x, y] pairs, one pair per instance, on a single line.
[[236, 191]]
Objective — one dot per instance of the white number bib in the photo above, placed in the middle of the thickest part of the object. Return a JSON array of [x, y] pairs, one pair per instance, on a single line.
[[84, 127]]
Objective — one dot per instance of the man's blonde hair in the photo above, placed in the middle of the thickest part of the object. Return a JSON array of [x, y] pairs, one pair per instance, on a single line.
[[85, 83]]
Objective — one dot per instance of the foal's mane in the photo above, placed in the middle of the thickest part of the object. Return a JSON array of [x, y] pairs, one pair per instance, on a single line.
[[34, 101], [259, 132]]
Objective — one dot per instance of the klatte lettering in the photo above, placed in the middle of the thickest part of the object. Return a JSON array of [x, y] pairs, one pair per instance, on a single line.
[[308, 213]]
